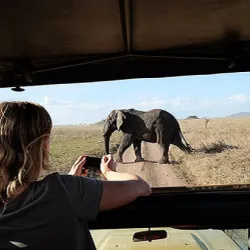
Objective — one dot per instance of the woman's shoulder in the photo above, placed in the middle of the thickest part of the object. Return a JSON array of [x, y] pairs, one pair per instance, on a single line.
[[65, 181], [68, 183], [49, 178], [52, 182], [52, 185], [45, 182], [82, 193]]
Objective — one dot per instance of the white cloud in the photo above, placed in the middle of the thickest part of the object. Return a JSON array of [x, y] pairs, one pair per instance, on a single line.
[[231, 101], [195, 104], [156, 102], [46, 100], [152, 103], [179, 102], [209, 103], [85, 105], [69, 112], [238, 99]]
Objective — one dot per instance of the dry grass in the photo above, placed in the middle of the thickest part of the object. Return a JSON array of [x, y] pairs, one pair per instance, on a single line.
[[69, 142], [221, 157]]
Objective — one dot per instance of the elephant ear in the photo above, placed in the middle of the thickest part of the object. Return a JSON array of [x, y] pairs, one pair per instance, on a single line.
[[120, 119]]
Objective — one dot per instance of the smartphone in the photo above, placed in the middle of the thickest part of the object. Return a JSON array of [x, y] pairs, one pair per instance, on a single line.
[[92, 163], [92, 168]]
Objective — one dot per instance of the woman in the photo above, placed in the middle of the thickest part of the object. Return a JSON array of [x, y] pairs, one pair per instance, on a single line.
[[51, 213]]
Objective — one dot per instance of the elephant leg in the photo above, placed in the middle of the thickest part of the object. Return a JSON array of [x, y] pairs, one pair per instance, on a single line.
[[137, 149], [127, 140], [165, 158], [164, 142]]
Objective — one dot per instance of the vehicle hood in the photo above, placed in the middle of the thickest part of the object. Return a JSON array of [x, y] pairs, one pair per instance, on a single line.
[[176, 240]]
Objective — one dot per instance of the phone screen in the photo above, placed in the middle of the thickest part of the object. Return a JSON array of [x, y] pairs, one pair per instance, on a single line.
[[93, 162], [92, 168]]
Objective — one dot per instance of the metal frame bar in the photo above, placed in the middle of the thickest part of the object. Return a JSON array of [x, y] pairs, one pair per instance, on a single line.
[[126, 24]]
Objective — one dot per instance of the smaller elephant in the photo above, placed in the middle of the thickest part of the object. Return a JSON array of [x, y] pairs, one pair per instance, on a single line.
[[155, 126]]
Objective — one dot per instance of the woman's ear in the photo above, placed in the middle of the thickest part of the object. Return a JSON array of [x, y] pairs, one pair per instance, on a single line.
[[47, 143]]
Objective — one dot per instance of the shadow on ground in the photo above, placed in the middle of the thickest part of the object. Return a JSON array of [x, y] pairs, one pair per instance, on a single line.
[[216, 147], [155, 162]]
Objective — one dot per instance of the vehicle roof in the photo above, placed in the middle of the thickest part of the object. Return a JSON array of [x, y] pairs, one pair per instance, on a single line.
[[62, 41]]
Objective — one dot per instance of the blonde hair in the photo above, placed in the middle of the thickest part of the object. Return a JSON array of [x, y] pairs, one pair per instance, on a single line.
[[23, 129]]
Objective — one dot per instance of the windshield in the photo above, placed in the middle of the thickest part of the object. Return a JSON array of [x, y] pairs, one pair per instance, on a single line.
[[196, 132]]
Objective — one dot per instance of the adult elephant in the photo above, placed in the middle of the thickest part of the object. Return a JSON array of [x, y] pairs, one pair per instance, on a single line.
[[155, 126]]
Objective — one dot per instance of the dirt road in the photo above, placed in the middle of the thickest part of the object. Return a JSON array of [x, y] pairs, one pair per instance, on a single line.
[[157, 175]]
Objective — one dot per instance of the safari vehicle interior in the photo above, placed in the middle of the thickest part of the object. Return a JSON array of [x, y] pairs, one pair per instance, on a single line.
[[76, 41]]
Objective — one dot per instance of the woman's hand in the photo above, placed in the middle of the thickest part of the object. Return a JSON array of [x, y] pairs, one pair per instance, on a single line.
[[121, 188], [78, 166], [107, 164]]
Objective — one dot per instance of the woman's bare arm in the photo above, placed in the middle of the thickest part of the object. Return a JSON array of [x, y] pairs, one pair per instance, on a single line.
[[120, 188]]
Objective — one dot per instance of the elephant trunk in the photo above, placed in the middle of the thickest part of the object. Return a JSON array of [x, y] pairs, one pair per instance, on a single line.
[[106, 143], [107, 132]]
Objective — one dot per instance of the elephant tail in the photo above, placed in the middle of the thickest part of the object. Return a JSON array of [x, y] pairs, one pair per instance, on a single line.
[[188, 146]]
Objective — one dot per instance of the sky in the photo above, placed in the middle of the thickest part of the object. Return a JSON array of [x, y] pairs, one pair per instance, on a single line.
[[209, 96]]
